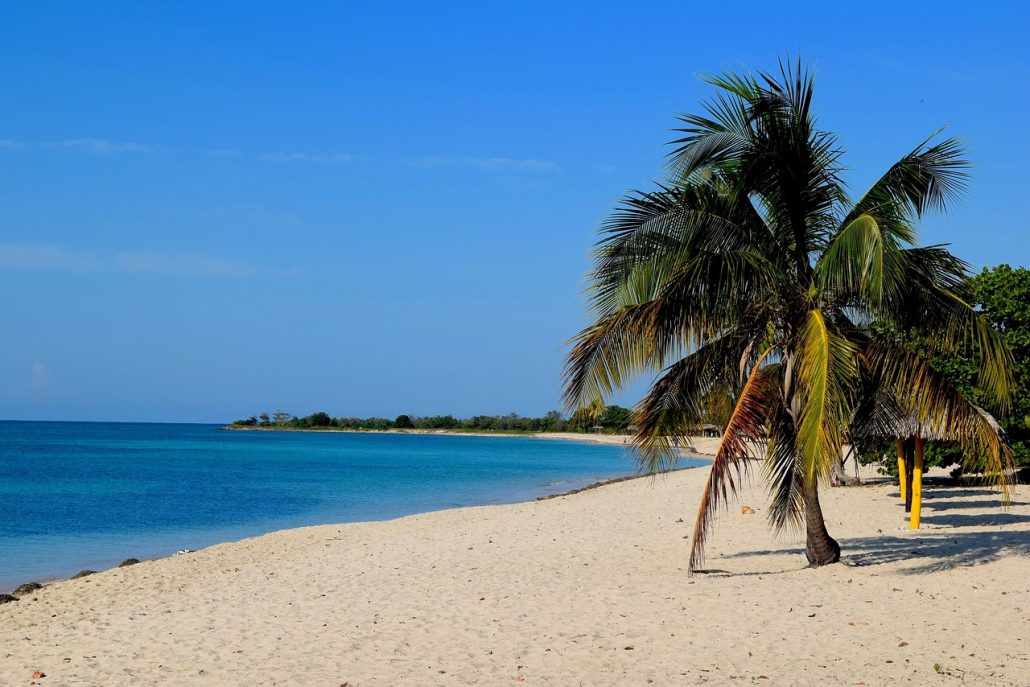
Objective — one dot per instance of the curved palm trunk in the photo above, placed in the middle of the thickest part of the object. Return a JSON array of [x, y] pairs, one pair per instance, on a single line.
[[820, 547], [839, 478]]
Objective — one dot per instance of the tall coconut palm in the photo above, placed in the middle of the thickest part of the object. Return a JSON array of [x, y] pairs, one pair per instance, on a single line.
[[749, 273]]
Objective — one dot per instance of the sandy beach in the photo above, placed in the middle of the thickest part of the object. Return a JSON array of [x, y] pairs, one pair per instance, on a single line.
[[589, 589], [699, 446]]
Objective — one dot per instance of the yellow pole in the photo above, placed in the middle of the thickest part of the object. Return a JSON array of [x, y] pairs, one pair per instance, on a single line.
[[917, 486], [902, 483]]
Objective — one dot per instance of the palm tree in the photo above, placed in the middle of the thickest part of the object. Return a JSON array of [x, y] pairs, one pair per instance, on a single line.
[[586, 416], [750, 274]]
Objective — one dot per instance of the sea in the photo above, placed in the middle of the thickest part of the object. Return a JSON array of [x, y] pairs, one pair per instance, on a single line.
[[78, 495]]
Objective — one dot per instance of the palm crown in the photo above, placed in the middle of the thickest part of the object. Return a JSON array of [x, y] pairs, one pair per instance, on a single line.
[[750, 276]]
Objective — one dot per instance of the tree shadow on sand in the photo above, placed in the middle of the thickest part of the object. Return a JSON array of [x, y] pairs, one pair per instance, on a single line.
[[944, 491], [975, 520], [935, 552], [940, 504], [943, 546]]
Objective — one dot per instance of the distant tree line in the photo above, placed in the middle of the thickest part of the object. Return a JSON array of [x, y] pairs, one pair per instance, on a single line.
[[608, 419]]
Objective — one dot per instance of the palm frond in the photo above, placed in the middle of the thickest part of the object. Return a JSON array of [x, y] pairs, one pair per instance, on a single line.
[[718, 140], [927, 179], [863, 262], [680, 400], [609, 352], [931, 304], [672, 224], [794, 166], [784, 470], [927, 403], [662, 313], [826, 369], [742, 435]]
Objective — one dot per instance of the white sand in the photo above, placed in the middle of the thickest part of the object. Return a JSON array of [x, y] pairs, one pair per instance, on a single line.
[[700, 446], [588, 589]]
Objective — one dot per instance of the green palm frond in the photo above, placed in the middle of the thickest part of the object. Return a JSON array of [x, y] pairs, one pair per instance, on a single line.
[[826, 368], [784, 471], [932, 305], [716, 141], [608, 353], [863, 262], [794, 167], [668, 225], [926, 179], [694, 304]]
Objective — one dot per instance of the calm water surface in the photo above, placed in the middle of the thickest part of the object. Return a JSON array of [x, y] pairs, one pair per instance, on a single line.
[[88, 495]]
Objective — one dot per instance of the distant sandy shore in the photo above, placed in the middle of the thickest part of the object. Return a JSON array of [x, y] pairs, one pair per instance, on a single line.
[[589, 589], [701, 446]]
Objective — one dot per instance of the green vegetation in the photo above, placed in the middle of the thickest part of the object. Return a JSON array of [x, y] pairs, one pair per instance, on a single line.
[[1002, 295], [750, 275], [611, 420]]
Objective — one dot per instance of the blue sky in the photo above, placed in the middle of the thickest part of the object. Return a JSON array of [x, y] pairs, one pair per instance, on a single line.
[[214, 209]]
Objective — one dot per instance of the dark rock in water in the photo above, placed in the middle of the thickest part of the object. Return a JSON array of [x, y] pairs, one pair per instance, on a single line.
[[7, 598], [128, 561], [83, 573], [27, 588]]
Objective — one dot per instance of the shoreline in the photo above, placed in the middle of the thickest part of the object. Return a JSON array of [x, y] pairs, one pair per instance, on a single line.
[[47, 580], [589, 588], [703, 447]]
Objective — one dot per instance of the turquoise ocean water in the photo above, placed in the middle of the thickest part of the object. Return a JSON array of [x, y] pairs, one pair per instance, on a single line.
[[88, 495]]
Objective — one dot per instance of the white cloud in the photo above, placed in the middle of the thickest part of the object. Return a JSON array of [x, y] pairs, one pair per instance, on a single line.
[[8, 143], [105, 146], [493, 164], [181, 265], [28, 256], [231, 153], [54, 258], [318, 158]]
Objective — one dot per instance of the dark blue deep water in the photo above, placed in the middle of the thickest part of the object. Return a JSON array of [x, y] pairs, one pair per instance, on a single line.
[[88, 495]]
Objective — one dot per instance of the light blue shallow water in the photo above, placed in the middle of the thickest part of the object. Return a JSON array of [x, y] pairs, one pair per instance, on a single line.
[[88, 495]]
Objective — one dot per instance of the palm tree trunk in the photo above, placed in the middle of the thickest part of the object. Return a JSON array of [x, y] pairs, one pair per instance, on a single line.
[[839, 478], [820, 547]]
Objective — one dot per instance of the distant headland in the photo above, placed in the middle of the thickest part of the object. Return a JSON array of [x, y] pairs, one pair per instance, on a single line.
[[610, 419]]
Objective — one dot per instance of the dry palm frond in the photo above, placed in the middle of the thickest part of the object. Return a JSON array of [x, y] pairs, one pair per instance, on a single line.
[[742, 436]]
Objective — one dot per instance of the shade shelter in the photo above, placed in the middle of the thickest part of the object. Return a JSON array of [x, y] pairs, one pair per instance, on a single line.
[[978, 434], [911, 443]]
